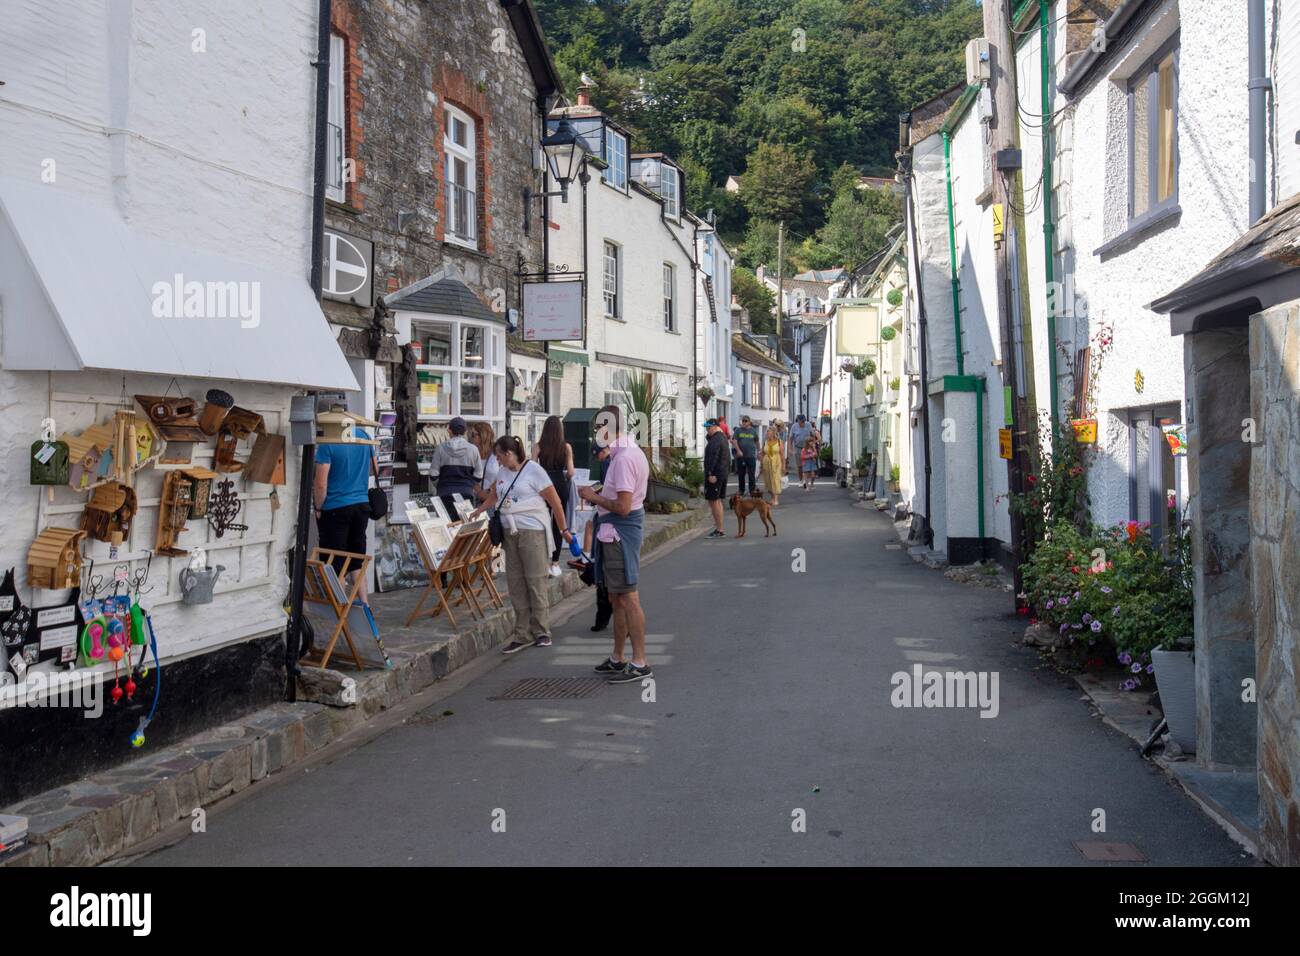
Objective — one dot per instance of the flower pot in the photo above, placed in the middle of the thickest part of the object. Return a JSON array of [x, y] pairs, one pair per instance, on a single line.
[[894, 487], [1176, 681], [1085, 430], [663, 491]]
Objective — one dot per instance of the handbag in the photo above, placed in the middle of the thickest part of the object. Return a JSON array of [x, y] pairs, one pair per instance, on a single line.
[[378, 498], [496, 530]]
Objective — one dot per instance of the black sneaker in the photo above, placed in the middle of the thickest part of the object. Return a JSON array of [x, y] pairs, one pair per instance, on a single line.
[[542, 640], [600, 625], [514, 647], [609, 666], [716, 534], [631, 673]]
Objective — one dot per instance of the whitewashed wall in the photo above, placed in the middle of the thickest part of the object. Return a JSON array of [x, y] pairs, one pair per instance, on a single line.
[[1213, 190], [209, 148]]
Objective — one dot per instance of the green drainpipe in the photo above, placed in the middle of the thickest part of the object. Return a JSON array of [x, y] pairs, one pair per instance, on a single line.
[[979, 456], [1049, 227], [952, 252]]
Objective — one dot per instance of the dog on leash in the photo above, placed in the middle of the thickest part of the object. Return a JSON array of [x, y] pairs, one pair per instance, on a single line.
[[744, 506]]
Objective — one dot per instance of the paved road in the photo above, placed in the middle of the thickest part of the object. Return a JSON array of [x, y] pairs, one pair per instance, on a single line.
[[772, 694]]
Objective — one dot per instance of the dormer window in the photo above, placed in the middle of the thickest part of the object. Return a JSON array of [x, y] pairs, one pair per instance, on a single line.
[[668, 189], [615, 172]]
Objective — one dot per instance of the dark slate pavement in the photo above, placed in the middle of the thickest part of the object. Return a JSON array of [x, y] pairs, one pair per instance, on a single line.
[[772, 695]]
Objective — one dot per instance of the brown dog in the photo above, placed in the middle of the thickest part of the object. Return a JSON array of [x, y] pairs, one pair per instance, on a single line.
[[745, 506]]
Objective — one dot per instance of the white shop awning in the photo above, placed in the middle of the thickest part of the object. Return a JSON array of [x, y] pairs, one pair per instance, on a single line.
[[80, 289]]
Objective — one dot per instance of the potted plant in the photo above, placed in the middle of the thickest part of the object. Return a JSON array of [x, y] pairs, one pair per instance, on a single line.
[[895, 384], [894, 297], [887, 333], [894, 477], [644, 403], [705, 394], [862, 464], [1085, 426], [826, 456]]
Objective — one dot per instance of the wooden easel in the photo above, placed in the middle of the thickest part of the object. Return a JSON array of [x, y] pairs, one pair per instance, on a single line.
[[478, 571], [452, 564], [325, 586]]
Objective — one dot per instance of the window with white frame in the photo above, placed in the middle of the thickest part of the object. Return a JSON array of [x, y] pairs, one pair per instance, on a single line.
[[615, 171], [336, 144], [1153, 134], [611, 282], [670, 304], [460, 174], [756, 389], [620, 379], [464, 371], [773, 392], [669, 191]]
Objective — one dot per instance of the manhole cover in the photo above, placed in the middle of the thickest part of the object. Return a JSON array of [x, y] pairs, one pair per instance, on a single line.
[[552, 688], [1110, 852]]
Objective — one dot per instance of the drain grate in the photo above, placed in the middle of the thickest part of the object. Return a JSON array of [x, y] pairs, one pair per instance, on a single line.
[[552, 688], [1110, 852]]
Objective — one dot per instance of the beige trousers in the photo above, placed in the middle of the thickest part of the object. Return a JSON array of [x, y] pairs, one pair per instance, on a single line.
[[527, 573]]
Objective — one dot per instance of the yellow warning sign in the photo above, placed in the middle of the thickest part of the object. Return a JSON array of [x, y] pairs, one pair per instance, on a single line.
[[1004, 443], [997, 222]]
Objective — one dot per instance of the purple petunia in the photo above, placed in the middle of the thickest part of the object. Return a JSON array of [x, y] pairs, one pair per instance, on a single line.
[[1130, 684], [1096, 627], [1063, 601], [1115, 613], [1104, 589], [1076, 627], [1151, 668], [1050, 605], [1126, 659], [1064, 628], [1087, 618], [1136, 668]]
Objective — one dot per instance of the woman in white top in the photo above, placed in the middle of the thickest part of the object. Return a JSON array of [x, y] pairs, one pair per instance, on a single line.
[[481, 437], [528, 502]]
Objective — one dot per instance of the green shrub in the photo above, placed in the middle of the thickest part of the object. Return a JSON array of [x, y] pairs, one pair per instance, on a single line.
[[887, 333], [894, 297], [826, 454]]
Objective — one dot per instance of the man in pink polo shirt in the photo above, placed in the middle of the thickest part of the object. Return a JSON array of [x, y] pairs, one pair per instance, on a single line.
[[620, 520]]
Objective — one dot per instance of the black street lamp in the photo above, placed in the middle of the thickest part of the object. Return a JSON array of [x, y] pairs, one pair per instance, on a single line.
[[563, 150]]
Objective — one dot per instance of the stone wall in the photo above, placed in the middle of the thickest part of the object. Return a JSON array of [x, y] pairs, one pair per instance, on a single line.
[[1219, 506], [405, 59], [1275, 564]]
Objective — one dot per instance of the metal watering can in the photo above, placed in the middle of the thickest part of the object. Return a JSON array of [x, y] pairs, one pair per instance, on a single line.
[[197, 584]]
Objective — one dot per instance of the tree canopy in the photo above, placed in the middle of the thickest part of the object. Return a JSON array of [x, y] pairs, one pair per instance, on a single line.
[[795, 97]]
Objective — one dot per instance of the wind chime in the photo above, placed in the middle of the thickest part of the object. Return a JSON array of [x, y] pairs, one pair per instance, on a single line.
[[223, 508]]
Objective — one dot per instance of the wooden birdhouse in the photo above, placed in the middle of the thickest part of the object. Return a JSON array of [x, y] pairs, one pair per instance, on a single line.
[[173, 420], [109, 512], [50, 463], [200, 489], [85, 452], [54, 559], [239, 423], [339, 428], [173, 510], [266, 461]]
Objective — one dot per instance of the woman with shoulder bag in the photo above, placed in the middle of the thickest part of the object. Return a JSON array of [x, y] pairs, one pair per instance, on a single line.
[[523, 501]]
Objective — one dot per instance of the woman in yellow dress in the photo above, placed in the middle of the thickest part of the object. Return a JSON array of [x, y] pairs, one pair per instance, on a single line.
[[773, 464]]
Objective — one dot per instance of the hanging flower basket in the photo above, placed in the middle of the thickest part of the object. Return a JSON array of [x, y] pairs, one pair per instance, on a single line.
[[887, 333], [704, 393], [859, 370], [894, 298], [1085, 430]]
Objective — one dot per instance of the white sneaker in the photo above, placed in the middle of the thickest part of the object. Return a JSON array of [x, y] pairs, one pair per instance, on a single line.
[[555, 571]]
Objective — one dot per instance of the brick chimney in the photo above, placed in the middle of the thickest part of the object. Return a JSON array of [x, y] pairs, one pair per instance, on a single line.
[[584, 96]]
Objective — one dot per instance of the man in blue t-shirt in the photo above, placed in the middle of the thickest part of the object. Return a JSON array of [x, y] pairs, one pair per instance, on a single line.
[[342, 494], [800, 432]]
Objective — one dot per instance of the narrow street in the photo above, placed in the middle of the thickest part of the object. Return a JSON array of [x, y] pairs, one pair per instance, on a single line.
[[772, 694]]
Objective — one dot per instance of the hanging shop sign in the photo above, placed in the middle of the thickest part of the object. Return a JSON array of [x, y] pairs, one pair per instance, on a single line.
[[348, 269], [1004, 443], [553, 311]]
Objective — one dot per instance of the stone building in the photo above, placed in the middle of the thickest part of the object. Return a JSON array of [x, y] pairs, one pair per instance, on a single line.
[[433, 209]]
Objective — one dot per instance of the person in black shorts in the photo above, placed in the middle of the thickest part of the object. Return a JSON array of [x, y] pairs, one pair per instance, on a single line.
[[342, 493], [717, 464]]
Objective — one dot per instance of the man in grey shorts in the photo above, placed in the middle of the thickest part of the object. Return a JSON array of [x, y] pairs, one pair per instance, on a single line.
[[616, 542]]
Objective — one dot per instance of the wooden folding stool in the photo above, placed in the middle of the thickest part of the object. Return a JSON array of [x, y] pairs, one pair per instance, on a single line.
[[324, 585]]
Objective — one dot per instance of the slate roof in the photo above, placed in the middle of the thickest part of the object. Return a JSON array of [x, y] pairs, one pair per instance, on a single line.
[[751, 354], [444, 293], [817, 347], [518, 346], [929, 116]]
